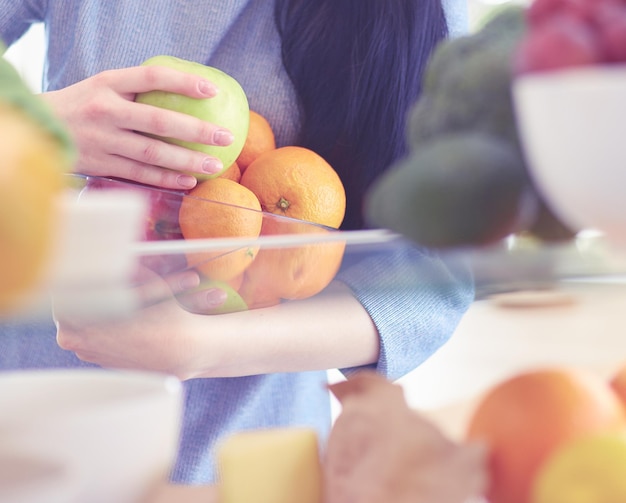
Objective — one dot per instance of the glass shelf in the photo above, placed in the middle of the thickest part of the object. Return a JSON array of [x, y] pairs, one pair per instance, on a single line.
[[107, 260], [517, 264]]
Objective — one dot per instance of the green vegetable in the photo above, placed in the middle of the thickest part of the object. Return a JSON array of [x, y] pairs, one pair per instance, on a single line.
[[467, 84], [459, 189], [464, 181], [13, 90]]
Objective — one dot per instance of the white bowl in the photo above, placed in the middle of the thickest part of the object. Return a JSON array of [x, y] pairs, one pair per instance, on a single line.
[[86, 435], [572, 124]]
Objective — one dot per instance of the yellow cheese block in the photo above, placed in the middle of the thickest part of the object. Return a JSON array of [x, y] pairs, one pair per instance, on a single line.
[[270, 466]]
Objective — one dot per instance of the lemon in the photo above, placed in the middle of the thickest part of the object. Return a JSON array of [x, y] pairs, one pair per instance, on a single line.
[[588, 469]]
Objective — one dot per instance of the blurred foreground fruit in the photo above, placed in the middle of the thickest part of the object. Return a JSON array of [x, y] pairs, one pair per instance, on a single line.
[[589, 469], [525, 418], [35, 152], [228, 109], [298, 183], [221, 208]]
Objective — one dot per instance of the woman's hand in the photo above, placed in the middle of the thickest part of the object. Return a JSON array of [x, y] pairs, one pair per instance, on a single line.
[[380, 449], [155, 337], [330, 330], [106, 123]]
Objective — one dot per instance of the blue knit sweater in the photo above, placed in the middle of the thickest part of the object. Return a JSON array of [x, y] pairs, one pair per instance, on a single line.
[[239, 37]]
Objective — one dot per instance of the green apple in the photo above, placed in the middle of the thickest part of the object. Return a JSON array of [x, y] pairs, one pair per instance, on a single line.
[[228, 109], [234, 302]]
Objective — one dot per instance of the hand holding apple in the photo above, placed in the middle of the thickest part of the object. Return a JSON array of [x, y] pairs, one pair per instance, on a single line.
[[229, 108], [104, 120]]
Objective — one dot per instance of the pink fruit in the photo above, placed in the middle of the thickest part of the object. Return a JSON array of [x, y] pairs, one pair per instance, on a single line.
[[162, 219], [541, 11], [161, 222], [563, 42], [163, 216], [612, 35], [544, 11]]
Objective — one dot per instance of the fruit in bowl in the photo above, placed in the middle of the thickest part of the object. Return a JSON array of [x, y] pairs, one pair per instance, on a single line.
[[162, 219], [566, 33], [571, 123], [302, 194], [569, 95]]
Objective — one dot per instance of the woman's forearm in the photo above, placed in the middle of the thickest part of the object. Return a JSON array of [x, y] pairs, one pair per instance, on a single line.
[[330, 330]]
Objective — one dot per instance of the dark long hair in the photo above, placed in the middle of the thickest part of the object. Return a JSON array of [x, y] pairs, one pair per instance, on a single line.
[[357, 66]]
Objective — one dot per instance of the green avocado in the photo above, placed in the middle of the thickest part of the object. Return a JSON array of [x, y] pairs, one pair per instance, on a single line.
[[483, 193], [462, 189]]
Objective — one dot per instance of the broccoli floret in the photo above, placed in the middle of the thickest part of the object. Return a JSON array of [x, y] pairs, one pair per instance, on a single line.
[[467, 84], [508, 20]]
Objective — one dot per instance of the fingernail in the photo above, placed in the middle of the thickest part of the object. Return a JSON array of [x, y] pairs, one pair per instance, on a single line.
[[211, 165], [207, 88], [223, 137], [215, 297], [189, 281], [187, 182]]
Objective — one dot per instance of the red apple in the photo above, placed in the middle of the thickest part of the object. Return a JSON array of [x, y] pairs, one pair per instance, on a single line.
[[161, 222], [162, 219]]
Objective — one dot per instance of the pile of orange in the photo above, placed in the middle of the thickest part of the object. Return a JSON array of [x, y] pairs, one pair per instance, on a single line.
[[289, 181], [530, 419]]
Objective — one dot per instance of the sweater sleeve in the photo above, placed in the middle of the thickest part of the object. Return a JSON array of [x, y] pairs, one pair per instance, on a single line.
[[415, 298], [17, 16]]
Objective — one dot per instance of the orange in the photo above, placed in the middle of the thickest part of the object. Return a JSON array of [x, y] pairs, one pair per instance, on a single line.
[[260, 139], [232, 173], [255, 292], [237, 281], [526, 417], [298, 183], [30, 180], [221, 208], [295, 272]]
